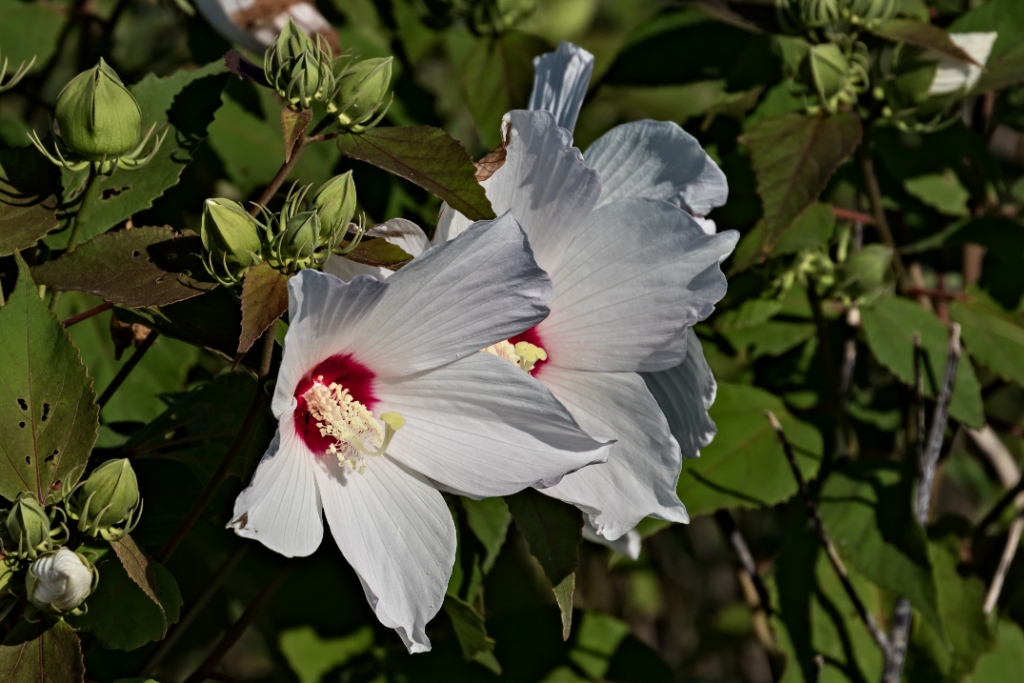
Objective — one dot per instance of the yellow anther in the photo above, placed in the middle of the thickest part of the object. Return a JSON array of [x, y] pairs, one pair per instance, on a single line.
[[346, 420], [528, 355], [393, 420]]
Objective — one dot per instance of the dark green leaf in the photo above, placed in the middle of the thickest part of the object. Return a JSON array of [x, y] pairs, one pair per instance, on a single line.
[[29, 189], [29, 29], [794, 156], [488, 519], [745, 467], [889, 328], [121, 615], [427, 156], [929, 659], [772, 338], [866, 511], [598, 639], [186, 102], [993, 337], [213, 320], [497, 75], [312, 657], [137, 565], [471, 632], [941, 191], [42, 652], [1006, 661], [264, 300], [811, 229], [50, 415], [379, 253], [921, 34], [138, 267]]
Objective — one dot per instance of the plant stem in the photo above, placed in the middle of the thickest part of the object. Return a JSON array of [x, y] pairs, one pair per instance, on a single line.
[[256, 407], [847, 445], [238, 628], [123, 373], [281, 176], [930, 457], [89, 194], [85, 315], [739, 545], [812, 511], [1009, 551], [881, 223], [194, 609]]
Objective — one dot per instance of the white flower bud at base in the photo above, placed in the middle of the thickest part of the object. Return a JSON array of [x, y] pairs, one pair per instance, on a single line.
[[59, 582]]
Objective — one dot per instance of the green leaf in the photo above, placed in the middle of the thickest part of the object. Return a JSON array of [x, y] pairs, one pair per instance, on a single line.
[[311, 657], [264, 300], [137, 267], [1006, 661], [427, 156], [29, 190], [866, 511], [42, 652], [186, 101], [745, 467], [921, 34], [554, 531], [960, 606], [379, 253], [889, 328], [497, 75], [50, 415], [993, 337], [137, 565], [121, 615], [771, 338], [811, 229], [794, 156], [29, 29], [488, 519], [941, 191], [1005, 66], [598, 639], [471, 632]]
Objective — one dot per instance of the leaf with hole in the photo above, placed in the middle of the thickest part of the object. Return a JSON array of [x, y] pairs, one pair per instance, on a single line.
[[137, 267], [50, 418], [427, 156]]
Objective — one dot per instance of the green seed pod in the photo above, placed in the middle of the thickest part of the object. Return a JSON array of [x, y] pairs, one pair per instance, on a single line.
[[297, 68], [335, 203], [301, 238], [108, 497], [361, 91], [58, 582], [27, 526], [231, 238], [97, 116]]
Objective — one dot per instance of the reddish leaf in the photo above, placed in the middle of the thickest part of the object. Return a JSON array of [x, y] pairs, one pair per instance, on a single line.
[[42, 652], [293, 125], [264, 300], [136, 564]]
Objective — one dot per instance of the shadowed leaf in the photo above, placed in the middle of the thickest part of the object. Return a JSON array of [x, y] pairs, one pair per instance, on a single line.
[[264, 300], [29, 185], [922, 34], [43, 652], [379, 253], [469, 628]]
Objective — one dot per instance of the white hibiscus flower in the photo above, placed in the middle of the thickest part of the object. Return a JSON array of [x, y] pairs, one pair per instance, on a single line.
[[383, 397]]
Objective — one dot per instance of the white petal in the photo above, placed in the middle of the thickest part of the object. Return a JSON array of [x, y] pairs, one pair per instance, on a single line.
[[627, 544], [953, 75], [639, 479], [397, 533], [560, 81], [544, 182], [483, 427], [657, 160], [685, 393], [219, 14], [404, 234], [455, 299], [324, 316], [281, 506], [640, 272]]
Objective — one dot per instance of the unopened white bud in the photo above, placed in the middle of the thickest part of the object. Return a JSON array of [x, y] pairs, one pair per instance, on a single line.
[[59, 581]]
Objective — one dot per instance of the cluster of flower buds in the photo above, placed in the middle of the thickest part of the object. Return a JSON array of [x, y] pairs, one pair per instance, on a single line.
[[99, 124], [302, 235], [298, 68], [833, 16], [36, 551]]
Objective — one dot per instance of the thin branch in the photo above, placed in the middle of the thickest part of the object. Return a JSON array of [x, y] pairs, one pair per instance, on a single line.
[[1009, 551], [899, 637], [812, 511], [940, 416], [851, 215], [739, 545], [280, 176], [881, 223], [85, 315], [126, 369], [239, 627], [997, 510], [194, 609], [847, 442], [256, 408]]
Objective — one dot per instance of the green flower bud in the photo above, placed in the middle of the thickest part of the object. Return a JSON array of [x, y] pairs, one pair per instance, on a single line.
[[301, 238], [231, 239], [59, 582], [335, 203], [297, 68], [97, 116], [830, 73], [801, 15], [27, 527], [361, 90], [108, 497], [872, 12]]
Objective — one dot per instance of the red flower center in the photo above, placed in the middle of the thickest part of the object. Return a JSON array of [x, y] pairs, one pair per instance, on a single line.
[[344, 371]]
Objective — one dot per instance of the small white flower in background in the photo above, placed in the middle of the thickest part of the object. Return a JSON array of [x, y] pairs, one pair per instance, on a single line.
[[383, 398], [254, 24], [956, 76], [59, 581]]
